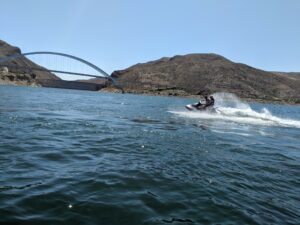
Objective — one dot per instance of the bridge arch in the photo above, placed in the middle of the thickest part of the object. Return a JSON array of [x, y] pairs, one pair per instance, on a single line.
[[19, 55]]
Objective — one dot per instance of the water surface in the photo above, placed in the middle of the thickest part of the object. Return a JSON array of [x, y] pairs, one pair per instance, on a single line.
[[76, 157]]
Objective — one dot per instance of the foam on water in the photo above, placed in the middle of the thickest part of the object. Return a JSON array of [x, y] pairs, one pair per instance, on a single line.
[[230, 108]]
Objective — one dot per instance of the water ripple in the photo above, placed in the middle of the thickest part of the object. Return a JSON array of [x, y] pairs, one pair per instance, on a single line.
[[69, 157]]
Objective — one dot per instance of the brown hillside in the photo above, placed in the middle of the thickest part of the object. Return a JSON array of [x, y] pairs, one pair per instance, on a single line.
[[18, 76], [209, 73]]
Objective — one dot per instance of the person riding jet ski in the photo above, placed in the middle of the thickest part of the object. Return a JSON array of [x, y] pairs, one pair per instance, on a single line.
[[209, 103], [200, 105]]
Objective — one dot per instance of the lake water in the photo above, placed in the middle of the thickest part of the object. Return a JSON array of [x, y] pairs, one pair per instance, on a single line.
[[76, 157]]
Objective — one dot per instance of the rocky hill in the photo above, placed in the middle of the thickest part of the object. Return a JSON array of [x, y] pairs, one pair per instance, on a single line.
[[290, 75], [19, 77], [208, 73]]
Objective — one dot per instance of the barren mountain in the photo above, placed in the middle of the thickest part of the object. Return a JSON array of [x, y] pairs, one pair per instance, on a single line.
[[209, 73]]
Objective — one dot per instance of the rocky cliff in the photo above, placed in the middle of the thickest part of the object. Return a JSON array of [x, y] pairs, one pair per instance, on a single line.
[[208, 73], [16, 76]]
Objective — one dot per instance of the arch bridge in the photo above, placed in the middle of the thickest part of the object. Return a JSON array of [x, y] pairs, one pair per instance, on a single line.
[[27, 65]]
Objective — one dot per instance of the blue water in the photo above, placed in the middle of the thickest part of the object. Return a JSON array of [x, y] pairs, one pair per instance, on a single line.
[[76, 157]]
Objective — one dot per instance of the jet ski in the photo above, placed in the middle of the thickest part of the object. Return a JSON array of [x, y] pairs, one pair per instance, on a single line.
[[193, 107], [200, 106]]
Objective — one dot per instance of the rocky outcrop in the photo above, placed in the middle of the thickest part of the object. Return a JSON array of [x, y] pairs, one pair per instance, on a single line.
[[6, 77], [208, 73], [6, 49], [18, 76]]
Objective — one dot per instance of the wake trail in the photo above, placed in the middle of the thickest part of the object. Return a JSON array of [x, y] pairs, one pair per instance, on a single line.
[[230, 108]]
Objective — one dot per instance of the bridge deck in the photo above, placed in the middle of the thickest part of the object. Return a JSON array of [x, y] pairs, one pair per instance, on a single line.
[[71, 85]]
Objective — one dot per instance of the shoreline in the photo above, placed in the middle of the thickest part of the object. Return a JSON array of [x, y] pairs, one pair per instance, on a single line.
[[19, 83], [162, 93], [190, 96]]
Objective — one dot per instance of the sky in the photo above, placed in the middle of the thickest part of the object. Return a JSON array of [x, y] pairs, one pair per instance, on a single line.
[[115, 34]]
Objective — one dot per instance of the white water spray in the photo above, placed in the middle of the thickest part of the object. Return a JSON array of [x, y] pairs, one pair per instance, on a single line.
[[230, 108]]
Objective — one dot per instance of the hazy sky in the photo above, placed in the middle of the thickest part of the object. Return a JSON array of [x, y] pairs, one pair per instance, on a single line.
[[115, 34]]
